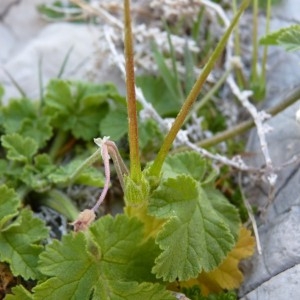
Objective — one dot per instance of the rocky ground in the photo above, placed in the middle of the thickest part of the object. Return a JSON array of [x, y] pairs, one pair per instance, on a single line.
[[30, 44]]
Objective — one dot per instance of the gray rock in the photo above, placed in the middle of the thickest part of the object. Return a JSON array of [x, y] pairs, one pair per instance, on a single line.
[[282, 286], [29, 41], [52, 46], [19, 23], [281, 250], [275, 274]]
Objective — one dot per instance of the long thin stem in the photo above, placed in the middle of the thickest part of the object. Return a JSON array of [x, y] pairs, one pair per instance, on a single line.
[[251, 215], [105, 157], [208, 96], [135, 166], [245, 126], [60, 202], [237, 49], [170, 137], [89, 161], [58, 142], [265, 53], [119, 164], [41, 85], [254, 41]]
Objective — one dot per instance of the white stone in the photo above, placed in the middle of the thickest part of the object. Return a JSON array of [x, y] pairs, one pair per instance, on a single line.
[[26, 39], [19, 23], [275, 274], [280, 287], [280, 241], [86, 61]]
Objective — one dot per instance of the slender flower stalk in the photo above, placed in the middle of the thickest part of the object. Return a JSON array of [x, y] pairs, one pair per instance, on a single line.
[[135, 167], [119, 164], [107, 149], [105, 156]]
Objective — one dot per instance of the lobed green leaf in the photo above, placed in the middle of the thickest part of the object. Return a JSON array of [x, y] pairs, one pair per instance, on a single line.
[[189, 163], [114, 124], [73, 271], [135, 291], [157, 93], [9, 203], [195, 237], [37, 175], [110, 266], [119, 239], [225, 210], [20, 245], [15, 113], [19, 293], [89, 176], [22, 116], [78, 107], [19, 148], [150, 136], [38, 129], [288, 37]]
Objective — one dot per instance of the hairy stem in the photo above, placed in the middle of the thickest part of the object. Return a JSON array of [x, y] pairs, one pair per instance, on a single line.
[[135, 167], [119, 164], [170, 137]]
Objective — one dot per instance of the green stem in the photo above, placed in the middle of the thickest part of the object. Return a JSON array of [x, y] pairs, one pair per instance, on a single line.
[[135, 166], [41, 85], [265, 53], [22, 191], [170, 137], [88, 162], [209, 94], [119, 164], [173, 60], [237, 49], [245, 126], [58, 142], [254, 41], [15, 83], [60, 202], [64, 64]]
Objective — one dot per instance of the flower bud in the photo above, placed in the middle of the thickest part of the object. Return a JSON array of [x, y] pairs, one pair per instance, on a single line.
[[136, 194], [84, 219]]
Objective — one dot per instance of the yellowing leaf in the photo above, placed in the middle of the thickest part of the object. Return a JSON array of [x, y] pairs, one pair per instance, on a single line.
[[152, 225], [227, 275]]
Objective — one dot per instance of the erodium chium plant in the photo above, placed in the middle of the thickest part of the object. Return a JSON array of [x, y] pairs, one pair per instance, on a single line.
[[178, 233]]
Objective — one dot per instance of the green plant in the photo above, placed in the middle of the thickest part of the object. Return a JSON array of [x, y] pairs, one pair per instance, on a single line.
[[176, 226], [257, 80], [288, 37], [35, 137]]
